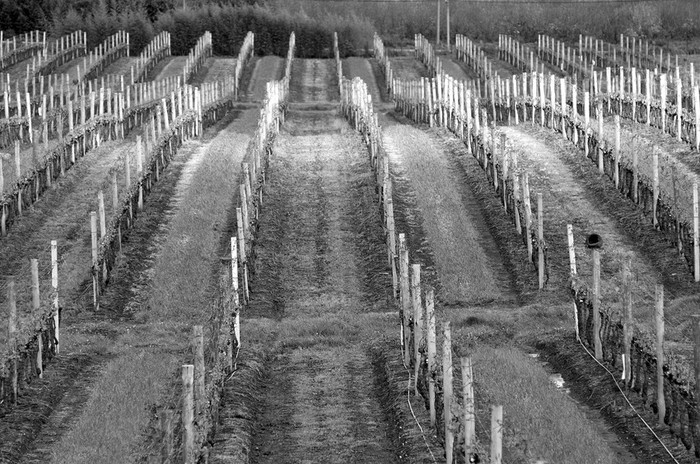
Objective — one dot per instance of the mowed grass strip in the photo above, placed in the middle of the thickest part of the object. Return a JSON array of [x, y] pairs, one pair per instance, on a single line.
[[540, 421], [180, 295]]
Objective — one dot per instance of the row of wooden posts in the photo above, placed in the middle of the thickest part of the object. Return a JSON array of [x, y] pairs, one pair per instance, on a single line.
[[197, 55], [427, 103], [643, 96], [631, 369], [417, 311], [110, 50], [171, 121], [157, 49], [20, 47], [580, 130], [56, 53], [25, 354], [640, 358], [252, 179]]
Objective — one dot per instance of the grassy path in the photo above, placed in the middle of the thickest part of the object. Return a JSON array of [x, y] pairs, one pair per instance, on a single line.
[[454, 225]]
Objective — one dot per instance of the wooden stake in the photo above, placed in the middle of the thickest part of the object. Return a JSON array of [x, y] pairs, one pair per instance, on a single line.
[[496, 434], [628, 326], [596, 305], [696, 366], [696, 234], [661, 400], [616, 174], [469, 417], [95, 283], [655, 190], [54, 286], [188, 413], [405, 299], [101, 210], [540, 240], [447, 387], [572, 249], [417, 321], [528, 214], [432, 351], [36, 307], [12, 335], [198, 348]]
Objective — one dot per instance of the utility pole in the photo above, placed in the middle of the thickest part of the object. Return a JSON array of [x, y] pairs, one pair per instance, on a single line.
[[437, 42], [448, 25]]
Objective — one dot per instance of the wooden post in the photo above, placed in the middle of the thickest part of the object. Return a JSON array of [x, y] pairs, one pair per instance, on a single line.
[[405, 300], [696, 366], [616, 174], [36, 307], [696, 233], [188, 413], [540, 241], [596, 305], [198, 348], [101, 210], [628, 327], [496, 434], [417, 321], [635, 172], [447, 388], [661, 400], [432, 351], [572, 249], [469, 417], [655, 190], [139, 170], [528, 214], [95, 283], [12, 335], [54, 286]]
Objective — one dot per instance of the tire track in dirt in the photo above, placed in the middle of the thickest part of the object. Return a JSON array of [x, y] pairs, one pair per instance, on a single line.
[[454, 225]]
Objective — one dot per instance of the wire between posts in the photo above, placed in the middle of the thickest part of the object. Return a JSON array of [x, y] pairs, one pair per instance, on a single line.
[[630, 404], [408, 400]]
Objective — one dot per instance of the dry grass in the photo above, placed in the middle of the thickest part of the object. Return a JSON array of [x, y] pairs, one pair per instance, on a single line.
[[117, 411], [540, 421], [451, 219]]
